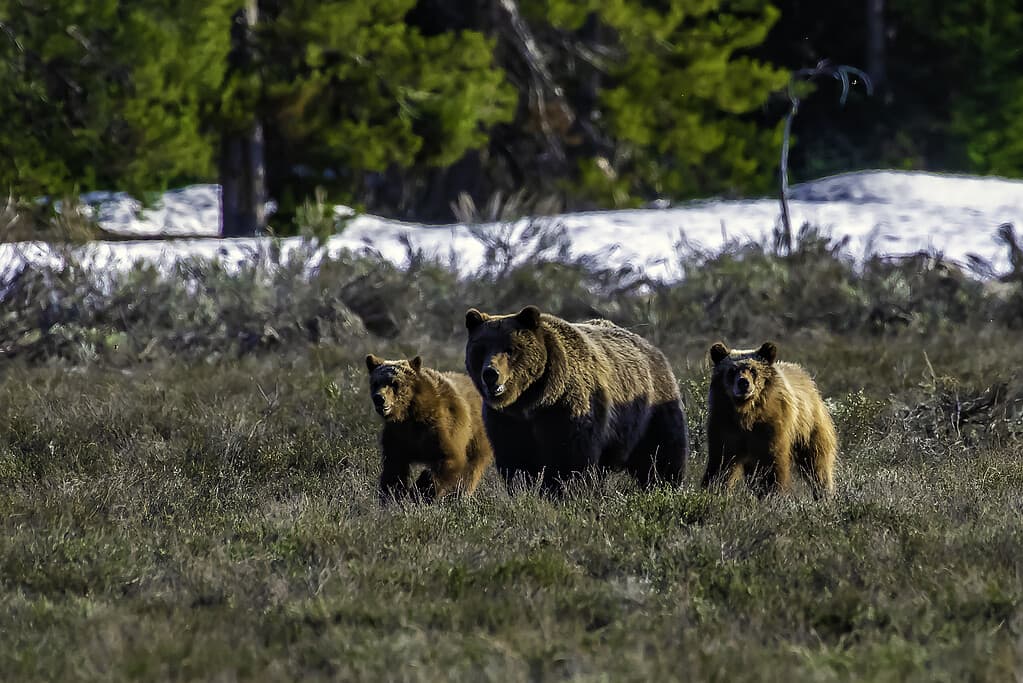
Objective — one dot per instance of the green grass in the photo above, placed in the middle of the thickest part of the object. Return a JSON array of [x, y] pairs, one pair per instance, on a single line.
[[197, 520]]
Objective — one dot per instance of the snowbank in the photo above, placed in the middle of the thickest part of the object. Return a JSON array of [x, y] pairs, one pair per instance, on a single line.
[[885, 212]]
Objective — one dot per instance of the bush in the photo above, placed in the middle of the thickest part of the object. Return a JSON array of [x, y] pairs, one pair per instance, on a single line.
[[65, 222], [743, 293]]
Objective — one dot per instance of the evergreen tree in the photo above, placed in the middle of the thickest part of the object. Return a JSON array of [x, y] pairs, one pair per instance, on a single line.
[[351, 90], [107, 94], [952, 98], [625, 100], [979, 46], [675, 99]]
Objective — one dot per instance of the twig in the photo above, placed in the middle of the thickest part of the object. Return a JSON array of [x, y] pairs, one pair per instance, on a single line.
[[839, 72]]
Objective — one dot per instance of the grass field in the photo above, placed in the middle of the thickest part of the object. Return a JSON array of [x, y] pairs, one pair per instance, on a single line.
[[187, 519], [188, 466]]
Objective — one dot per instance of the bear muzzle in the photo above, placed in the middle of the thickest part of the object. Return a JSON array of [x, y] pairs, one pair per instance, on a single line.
[[381, 405], [742, 390], [492, 383]]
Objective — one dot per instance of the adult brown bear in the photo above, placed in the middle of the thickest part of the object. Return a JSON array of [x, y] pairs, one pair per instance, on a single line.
[[430, 418], [560, 397], [763, 417]]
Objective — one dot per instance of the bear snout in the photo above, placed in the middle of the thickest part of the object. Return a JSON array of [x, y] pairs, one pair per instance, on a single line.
[[380, 404], [492, 381], [742, 389]]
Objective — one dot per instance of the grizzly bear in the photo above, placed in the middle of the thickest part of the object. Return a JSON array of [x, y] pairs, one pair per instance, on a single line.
[[560, 398], [764, 416], [431, 418]]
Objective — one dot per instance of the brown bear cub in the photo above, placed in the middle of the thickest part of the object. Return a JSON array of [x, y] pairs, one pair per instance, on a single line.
[[560, 398], [764, 416], [430, 418]]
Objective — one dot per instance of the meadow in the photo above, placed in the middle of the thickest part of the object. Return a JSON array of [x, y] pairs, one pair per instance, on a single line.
[[188, 472]]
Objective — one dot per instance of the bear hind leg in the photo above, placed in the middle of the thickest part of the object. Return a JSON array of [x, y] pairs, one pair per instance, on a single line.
[[663, 450], [816, 462]]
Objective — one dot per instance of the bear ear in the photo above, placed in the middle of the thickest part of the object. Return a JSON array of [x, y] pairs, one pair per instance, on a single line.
[[372, 362], [529, 317], [718, 352], [416, 363], [473, 319], [768, 351]]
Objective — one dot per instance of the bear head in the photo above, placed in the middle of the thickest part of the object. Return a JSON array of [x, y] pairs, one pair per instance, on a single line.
[[392, 385], [742, 375], [504, 354]]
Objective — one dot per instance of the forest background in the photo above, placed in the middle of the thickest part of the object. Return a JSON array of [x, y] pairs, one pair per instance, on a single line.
[[406, 107]]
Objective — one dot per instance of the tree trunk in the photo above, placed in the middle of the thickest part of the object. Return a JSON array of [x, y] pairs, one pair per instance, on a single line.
[[242, 183], [876, 67], [242, 168]]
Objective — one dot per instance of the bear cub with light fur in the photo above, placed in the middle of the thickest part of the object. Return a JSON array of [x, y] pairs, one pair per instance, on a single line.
[[431, 418], [765, 417]]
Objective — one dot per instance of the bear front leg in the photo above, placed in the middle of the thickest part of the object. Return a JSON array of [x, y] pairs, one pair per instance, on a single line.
[[394, 479], [727, 460], [479, 456], [773, 470], [735, 474], [426, 487], [514, 446], [448, 473], [572, 457], [715, 459]]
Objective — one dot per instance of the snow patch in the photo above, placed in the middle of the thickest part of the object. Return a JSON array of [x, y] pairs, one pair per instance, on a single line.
[[881, 212]]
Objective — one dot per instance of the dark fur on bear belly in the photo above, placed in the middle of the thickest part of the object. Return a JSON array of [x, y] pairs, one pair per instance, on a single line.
[[414, 443], [553, 441]]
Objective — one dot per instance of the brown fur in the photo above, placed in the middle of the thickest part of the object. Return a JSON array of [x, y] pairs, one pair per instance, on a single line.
[[763, 418], [430, 418], [560, 397]]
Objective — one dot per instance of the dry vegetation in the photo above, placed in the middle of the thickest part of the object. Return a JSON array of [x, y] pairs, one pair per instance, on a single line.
[[188, 471]]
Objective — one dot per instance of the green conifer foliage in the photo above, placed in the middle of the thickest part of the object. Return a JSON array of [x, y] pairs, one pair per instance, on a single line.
[[350, 87], [957, 84], [107, 94], [951, 98], [676, 91], [987, 114]]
